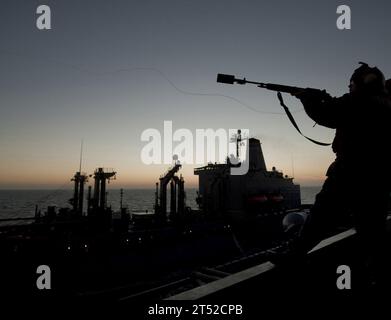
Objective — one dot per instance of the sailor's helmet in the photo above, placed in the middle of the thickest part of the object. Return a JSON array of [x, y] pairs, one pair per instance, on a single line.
[[369, 79]]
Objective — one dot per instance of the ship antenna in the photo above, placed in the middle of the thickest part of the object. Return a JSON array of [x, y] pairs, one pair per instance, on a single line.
[[81, 154], [293, 167]]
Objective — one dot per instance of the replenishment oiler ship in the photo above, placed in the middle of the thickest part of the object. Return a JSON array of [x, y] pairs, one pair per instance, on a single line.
[[95, 252]]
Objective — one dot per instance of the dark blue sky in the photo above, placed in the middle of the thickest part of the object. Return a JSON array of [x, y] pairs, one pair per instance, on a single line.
[[107, 70]]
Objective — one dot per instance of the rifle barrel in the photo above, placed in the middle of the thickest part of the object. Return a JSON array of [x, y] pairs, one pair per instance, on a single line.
[[230, 79]]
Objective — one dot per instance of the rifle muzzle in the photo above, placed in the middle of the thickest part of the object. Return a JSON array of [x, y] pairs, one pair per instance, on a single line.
[[225, 78]]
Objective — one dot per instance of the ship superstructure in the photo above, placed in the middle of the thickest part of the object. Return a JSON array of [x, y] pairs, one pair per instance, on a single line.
[[257, 191]]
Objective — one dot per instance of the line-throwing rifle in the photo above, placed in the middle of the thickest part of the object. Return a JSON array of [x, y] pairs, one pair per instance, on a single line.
[[230, 79]]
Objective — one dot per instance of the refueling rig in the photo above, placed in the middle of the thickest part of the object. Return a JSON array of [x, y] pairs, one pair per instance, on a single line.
[[98, 213]]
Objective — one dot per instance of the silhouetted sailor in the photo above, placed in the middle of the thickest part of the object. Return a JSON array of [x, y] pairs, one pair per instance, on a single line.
[[358, 181]]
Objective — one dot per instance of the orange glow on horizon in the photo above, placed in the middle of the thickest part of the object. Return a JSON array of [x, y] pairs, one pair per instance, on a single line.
[[146, 178]]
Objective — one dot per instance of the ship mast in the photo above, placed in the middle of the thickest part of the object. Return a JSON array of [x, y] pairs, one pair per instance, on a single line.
[[81, 154], [78, 192]]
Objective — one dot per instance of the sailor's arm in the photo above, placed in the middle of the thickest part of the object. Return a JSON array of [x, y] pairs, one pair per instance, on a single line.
[[322, 108]]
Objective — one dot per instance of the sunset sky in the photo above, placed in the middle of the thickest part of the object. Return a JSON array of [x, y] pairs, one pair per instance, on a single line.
[[108, 70]]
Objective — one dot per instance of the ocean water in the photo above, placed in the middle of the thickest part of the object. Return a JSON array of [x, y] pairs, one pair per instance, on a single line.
[[21, 203]]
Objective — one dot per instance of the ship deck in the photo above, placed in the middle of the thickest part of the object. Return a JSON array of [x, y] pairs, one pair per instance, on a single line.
[[268, 286]]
